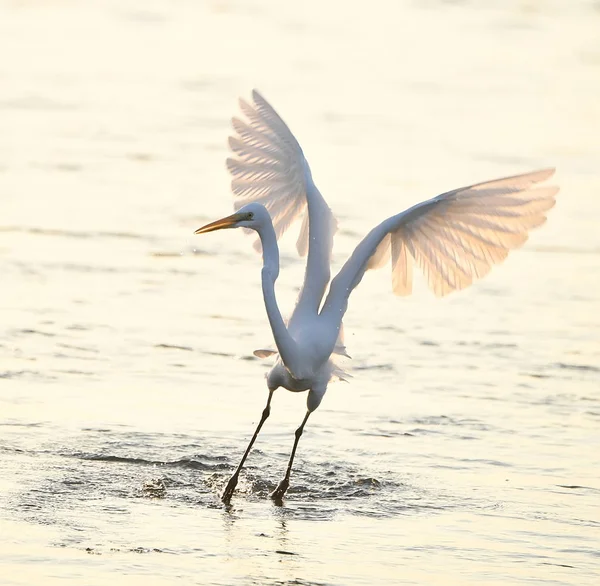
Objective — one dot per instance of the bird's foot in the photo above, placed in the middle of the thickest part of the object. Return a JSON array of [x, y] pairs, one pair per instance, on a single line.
[[277, 494], [228, 492]]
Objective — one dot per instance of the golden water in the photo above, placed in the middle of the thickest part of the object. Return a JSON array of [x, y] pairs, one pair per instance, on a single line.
[[466, 449]]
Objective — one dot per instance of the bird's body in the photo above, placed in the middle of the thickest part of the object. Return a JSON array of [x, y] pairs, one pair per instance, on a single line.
[[453, 238]]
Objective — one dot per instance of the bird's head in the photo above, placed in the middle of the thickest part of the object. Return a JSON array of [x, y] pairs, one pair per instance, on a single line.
[[251, 216]]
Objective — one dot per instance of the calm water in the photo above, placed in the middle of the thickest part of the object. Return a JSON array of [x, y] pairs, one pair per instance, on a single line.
[[466, 449]]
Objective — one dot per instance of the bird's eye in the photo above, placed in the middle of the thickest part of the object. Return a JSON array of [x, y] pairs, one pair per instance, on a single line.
[[250, 215]]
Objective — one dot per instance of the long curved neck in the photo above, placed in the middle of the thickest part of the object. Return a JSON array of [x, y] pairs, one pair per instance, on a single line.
[[270, 249], [286, 345]]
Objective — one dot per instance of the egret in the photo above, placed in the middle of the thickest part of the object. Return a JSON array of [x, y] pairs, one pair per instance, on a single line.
[[453, 239]]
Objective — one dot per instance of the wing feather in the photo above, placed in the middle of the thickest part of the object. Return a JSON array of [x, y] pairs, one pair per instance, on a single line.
[[381, 254], [401, 268], [302, 243], [468, 230], [454, 238], [269, 168]]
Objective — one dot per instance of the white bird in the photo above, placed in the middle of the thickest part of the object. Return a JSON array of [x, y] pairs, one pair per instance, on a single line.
[[453, 238]]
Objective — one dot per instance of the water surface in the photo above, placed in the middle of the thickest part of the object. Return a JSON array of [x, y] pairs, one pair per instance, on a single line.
[[465, 449]]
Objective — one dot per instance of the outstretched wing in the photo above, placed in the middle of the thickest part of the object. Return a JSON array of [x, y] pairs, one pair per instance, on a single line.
[[453, 238], [463, 233], [270, 168]]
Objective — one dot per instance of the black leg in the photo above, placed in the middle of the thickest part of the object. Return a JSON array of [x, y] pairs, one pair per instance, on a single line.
[[226, 496], [278, 493]]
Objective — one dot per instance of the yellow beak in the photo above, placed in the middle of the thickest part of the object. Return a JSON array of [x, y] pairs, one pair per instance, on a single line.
[[228, 222]]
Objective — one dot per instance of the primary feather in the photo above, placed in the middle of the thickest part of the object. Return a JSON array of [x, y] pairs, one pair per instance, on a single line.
[[453, 238], [270, 168], [464, 232]]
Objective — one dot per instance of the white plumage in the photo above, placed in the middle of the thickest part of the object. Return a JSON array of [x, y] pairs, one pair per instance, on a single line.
[[270, 168], [453, 239]]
